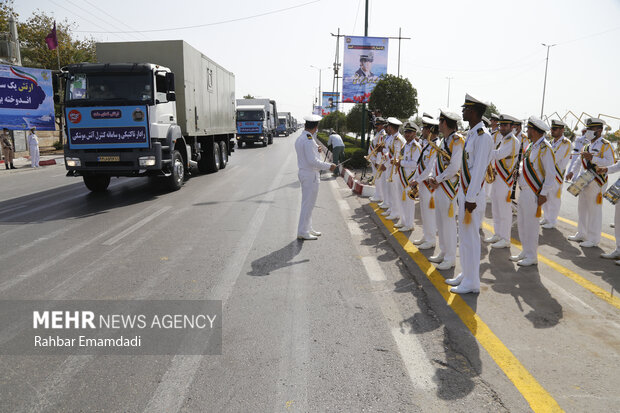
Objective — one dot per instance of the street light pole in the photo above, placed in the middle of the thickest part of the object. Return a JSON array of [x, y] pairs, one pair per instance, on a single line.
[[320, 69], [548, 46], [449, 79]]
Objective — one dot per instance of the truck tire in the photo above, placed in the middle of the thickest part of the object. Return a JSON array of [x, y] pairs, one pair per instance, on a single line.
[[270, 140], [239, 144], [265, 141], [177, 175], [223, 155], [97, 183], [210, 159]]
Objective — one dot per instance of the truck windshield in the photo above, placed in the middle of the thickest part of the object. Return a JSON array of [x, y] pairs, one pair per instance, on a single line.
[[250, 115], [282, 121], [89, 88]]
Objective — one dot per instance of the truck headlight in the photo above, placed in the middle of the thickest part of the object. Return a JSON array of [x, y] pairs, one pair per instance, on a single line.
[[146, 160], [73, 162]]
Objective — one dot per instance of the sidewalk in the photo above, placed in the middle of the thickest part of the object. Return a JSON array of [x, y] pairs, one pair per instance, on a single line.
[[22, 162]]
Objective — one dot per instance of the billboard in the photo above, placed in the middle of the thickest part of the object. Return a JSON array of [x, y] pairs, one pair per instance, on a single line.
[[26, 98], [365, 63], [330, 102]]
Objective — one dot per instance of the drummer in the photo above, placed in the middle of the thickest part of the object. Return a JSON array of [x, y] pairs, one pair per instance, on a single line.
[[614, 255], [589, 207]]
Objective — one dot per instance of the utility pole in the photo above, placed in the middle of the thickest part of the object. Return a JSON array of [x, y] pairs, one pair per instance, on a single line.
[[449, 79], [337, 67], [548, 46], [320, 69], [364, 144]]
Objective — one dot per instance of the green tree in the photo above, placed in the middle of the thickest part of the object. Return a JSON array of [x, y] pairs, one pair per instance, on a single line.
[[34, 50], [491, 109], [248, 96], [354, 119], [394, 96], [335, 120]]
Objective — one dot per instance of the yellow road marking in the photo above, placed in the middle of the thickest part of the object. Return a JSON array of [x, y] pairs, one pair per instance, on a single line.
[[573, 223], [537, 397], [588, 285]]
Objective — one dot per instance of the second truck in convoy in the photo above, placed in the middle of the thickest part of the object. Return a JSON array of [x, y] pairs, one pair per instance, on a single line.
[[257, 121], [154, 108]]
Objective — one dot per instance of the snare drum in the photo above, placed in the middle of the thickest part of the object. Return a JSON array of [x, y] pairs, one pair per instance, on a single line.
[[613, 193], [581, 182]]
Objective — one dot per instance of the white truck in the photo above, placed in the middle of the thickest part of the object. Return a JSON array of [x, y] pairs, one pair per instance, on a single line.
[[154, 108], [253, 127]]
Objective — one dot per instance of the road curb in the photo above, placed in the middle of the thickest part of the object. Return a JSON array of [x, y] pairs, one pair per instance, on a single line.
[[356, 186]]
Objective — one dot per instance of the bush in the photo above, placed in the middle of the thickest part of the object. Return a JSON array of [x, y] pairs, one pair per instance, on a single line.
[[57, 145], [357, 157]]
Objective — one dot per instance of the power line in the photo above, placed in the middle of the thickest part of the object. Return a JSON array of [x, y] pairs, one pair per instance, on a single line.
[[207, 24], [589, 35], [114, 18], [81, 17]]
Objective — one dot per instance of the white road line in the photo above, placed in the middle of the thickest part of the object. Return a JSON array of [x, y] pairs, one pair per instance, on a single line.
[[412, 353], [373, 269], [172, 390], [344, 205], [135, 226]]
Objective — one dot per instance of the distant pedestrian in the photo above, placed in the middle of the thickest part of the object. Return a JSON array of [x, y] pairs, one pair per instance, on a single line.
[[33, 146], [337, 144], [7, 149], [309, 164]]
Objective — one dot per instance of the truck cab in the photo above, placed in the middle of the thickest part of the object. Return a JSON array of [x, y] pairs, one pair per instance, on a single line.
[[252, 125], [282, 128], [121, 121]]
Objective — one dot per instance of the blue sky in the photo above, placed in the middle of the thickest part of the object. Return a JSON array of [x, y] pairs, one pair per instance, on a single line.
[[490, 49]]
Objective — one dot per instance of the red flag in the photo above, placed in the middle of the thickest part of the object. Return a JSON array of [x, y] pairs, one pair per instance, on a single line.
[[51, 39]]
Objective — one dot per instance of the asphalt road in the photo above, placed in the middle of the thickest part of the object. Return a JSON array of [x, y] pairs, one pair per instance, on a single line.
[[356, 321]]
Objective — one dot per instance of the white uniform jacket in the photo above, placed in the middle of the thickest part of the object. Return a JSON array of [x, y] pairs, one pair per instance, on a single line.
[[476, 158]]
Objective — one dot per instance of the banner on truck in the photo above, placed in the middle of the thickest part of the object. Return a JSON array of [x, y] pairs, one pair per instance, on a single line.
[[365, 63], [330, 103], [26, 98]]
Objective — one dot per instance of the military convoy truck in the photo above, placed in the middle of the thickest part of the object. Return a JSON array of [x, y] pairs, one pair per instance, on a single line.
[[257, 121], [154, 108]]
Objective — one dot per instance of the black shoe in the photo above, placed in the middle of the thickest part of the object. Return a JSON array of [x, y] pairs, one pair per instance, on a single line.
[[12, 167]]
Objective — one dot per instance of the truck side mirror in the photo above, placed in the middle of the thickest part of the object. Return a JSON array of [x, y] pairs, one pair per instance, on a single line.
[[170, 82], [171, 96]]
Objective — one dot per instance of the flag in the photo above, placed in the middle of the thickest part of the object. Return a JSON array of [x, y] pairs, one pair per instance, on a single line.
[[51, 39]]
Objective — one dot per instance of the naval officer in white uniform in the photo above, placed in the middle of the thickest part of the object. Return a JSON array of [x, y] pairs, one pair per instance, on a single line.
[[309, 164]]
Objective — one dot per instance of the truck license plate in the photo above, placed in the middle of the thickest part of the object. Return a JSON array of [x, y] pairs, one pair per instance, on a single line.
[[108, 158]]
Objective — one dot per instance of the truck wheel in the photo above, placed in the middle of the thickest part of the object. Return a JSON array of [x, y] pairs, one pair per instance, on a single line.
[[265, 141], [239, 144], [97, 183], [223, 155], [270, 140], [177, 176]]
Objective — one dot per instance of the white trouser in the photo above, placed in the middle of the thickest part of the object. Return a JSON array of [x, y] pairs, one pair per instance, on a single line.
[[590, 213], [309, 192], [378, 188], [446, 225], [469, 242], [34, 155], [408, 209], [487, 189], [427, 214], [382, 183], [502, 210], [396, 196], [527, 223], [551, 208]]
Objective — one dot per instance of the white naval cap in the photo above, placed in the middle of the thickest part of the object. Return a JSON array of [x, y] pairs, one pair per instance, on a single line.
[[557, 124], [472, 101], [312, 118], [430, 121], [411, 126], [394, 121], [504, 118], [536, 123], [445, 113], [592, 122]]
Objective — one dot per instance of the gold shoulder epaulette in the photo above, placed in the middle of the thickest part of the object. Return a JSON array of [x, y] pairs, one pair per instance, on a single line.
[[480, 131]]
